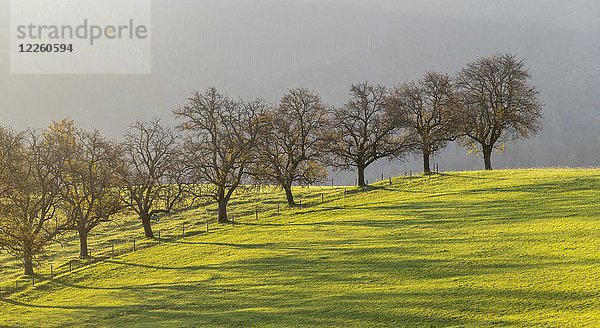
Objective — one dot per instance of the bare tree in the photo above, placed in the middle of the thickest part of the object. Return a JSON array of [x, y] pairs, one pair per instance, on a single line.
[[31, 191], [10, 143], [222, 142], [429, 110], [499, 103], [293, 143], [364, 131], [93, 193], [150, 158], [180, 183]]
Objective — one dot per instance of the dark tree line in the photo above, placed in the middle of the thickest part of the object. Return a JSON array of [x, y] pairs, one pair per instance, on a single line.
[[68, 179]]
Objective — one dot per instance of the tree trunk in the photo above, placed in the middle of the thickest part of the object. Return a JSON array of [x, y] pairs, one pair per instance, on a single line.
[[426, 164], [28, 263], [223, 211], [83, 244], [289, 195], [487, 157], [147, 225], [361, 176]]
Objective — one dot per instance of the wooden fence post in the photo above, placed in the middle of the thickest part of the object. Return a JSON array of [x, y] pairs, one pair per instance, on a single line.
[[390, 180], [278, 208], [256, 213], [70, 265], [322, 198]]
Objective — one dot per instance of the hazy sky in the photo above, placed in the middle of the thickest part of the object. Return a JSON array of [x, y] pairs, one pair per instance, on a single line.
[[253, 48]]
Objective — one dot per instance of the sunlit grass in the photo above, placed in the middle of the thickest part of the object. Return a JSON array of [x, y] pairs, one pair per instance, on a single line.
[[127, 228], [514, 248]]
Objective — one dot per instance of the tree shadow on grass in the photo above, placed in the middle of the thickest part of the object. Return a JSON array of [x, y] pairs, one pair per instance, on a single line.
[[469, 176], [217, 310], [462, 306], [325, 283], [234, 245]]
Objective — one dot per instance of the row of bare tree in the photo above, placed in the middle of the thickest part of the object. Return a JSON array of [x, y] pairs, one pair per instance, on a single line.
[[68, 179]]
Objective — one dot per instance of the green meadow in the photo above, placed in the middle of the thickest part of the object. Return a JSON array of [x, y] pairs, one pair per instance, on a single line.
[[508, 248]]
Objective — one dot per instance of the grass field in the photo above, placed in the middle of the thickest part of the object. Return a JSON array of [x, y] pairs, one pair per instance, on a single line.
[[516, 248]]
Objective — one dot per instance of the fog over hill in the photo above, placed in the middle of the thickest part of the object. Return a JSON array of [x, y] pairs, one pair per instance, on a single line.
[[260, 48]]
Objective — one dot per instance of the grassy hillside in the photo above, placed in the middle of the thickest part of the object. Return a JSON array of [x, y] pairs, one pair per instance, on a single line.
[[126, 228], [476, 248]]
